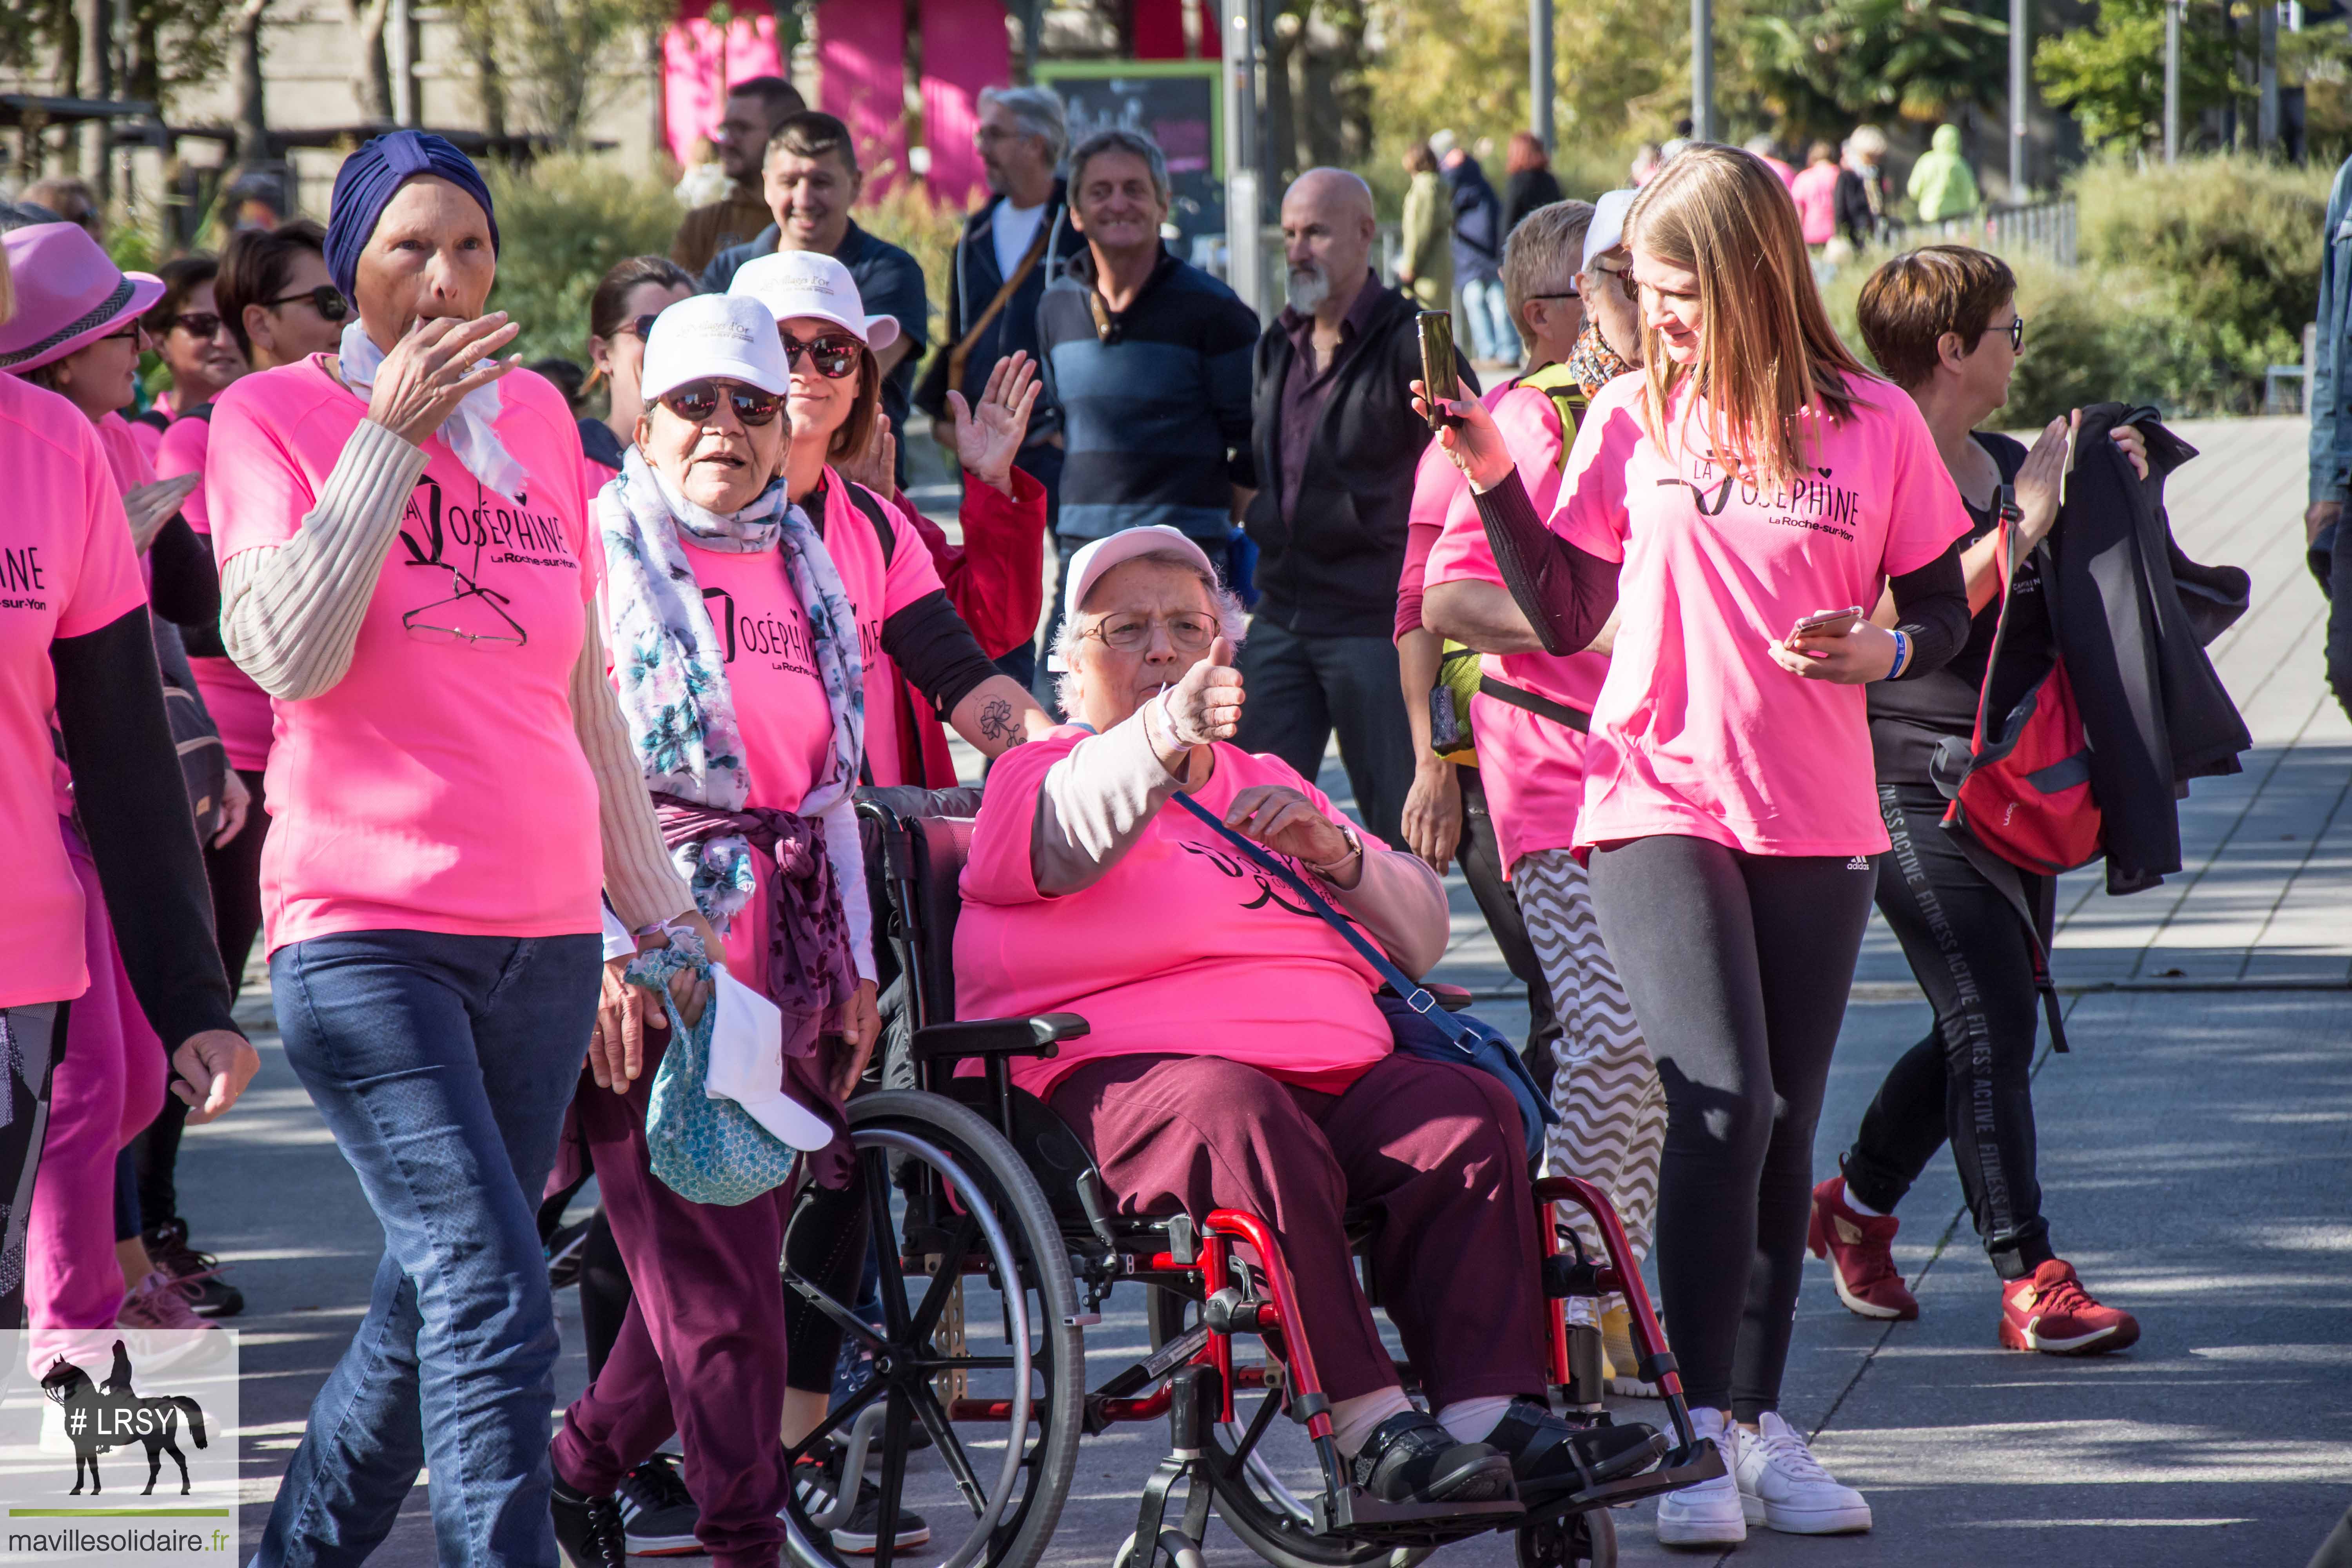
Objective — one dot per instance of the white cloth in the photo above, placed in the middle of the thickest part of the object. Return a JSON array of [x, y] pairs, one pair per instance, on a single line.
[[747, 1063], [1014, 230], [471, 431]]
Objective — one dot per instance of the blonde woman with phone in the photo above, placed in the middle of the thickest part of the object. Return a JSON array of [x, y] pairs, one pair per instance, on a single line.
[[1754, 479]]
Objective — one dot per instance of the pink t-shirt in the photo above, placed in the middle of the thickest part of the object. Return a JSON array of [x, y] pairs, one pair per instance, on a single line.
[[66, 569], [239, 707], [1183, 948], [1814, 189], [126, 458], [1697, 731], [879, 591], [1532, 767], [439, 785]]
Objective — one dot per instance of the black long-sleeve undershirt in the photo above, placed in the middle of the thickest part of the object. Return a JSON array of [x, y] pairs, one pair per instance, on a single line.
[[1567, 593], [932, 647], [184, 581], [135, 809]]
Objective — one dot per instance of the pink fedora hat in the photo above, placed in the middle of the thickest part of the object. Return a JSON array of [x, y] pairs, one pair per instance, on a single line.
[[69, 293]]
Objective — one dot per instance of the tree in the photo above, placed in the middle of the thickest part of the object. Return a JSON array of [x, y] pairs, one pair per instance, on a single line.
[[2110, 75], [548, 59], [1823, 64]]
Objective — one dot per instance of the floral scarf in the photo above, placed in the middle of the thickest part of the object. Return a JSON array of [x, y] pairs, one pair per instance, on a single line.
[[1592, 361], [672, 672]]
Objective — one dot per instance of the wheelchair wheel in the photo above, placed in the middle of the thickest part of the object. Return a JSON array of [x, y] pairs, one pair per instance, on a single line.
[[1254, 1488], [1580, 1541], [980, 1349]]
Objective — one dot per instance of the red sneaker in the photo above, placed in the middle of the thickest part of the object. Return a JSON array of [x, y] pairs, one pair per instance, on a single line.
[[2051, 1313], [1861, 1250]]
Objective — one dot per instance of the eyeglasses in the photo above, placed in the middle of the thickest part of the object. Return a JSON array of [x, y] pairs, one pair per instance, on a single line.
[[2016, 331], [698, 401], [326, 298], [1132, 633], [1624, 276], [196, 323], [1570, 294], [129, 330], [834, 357], [514, 634]]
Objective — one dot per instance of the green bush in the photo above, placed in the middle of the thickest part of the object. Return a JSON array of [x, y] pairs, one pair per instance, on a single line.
[[2192, 281], [562, 223]]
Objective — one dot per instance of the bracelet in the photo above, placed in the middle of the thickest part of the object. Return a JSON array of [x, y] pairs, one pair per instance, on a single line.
[[1901, 655], [1354, 851]]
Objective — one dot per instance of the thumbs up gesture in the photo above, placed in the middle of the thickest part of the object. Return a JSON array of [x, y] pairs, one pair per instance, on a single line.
[[1206, 705]]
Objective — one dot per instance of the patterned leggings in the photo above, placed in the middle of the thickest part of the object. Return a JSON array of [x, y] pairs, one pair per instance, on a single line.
[[1613, 1109]]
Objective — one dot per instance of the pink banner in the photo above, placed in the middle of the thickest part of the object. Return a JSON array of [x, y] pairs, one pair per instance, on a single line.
[[964, 50], [861, 54], [697, 63]]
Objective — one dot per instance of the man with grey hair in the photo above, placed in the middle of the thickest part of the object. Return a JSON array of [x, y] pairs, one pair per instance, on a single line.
[[1008, 252], [1337, 442], [1149, 358]]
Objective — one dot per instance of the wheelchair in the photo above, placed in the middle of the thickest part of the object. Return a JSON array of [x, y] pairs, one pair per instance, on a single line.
[[998, 1245]]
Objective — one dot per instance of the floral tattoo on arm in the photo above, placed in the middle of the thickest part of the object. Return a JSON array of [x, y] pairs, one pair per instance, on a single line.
[[996, 724]]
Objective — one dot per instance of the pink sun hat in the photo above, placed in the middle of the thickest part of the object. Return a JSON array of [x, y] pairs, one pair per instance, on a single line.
[[69, 293]]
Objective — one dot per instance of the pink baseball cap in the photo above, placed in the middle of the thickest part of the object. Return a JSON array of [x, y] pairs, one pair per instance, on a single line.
[[1092, 561], [69, 293]]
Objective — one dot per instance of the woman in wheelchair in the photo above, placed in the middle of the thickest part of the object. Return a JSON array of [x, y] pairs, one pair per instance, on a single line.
[[1236, 1057]]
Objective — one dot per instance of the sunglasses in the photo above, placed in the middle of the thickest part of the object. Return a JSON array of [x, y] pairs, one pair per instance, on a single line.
[[326, 298], [196, 324], [834, 357], [2016, 331], [698, 401]]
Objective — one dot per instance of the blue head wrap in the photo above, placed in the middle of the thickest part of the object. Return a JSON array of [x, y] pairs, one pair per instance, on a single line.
[[365, 187]]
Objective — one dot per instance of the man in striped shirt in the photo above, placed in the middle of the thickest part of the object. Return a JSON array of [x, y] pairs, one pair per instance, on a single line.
[[1149, 358]]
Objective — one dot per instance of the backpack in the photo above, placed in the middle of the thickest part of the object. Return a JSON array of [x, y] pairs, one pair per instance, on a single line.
[[2024, 789]]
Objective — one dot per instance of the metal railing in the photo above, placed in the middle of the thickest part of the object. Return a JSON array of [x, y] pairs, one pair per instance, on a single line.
[[2045, 229]]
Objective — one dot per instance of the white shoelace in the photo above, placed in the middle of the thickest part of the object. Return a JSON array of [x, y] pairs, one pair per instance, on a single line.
[[1787, 1452]]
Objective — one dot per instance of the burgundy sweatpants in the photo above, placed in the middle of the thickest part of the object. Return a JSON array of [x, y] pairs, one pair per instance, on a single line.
[[1436, 1148], [701, 1352]]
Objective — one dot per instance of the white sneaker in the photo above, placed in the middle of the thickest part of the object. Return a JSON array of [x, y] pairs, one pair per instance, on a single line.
[[1781, 1485], [1709, 1513]]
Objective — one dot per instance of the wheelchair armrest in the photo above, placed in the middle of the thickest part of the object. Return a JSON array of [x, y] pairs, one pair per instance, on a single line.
[[997, 1037]]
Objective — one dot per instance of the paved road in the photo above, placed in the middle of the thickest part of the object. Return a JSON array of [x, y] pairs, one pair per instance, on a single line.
[[2197, 1152]]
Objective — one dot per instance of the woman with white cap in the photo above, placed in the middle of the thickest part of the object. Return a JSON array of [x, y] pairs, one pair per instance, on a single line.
[[75, 655], [911, 633], [406, 569], [738, 657], [75, 331]]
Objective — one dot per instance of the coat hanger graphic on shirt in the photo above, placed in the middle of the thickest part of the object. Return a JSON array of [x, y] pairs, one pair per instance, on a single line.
[[466, 586]]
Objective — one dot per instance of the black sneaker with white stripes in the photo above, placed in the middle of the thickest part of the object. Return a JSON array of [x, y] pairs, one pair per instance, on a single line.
[[816, 1481], [657, 1513]]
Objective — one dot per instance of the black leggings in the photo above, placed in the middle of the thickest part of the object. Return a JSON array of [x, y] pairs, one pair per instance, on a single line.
[[1481, 855], [1971, 1078], [235, 872], [1737, 966]]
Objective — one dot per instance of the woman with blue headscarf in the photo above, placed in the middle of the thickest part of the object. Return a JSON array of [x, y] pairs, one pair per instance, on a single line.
[[407, 568]]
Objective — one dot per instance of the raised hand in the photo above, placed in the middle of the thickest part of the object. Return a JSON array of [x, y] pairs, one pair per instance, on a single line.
[[433, 367], [988, 437], [1206, 705], [876, 464], [1472, 442], [149, 507]]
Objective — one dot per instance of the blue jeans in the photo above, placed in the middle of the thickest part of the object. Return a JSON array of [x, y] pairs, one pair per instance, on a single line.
[[1489, 316], [443, 1066]]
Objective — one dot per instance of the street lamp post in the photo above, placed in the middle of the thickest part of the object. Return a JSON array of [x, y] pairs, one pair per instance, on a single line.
[[2017, 100], [1245, 273], [1539, 71], [2172, 9], [1702, 70]]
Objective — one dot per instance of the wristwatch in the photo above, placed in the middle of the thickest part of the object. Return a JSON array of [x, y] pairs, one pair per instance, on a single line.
[[1328, 870]]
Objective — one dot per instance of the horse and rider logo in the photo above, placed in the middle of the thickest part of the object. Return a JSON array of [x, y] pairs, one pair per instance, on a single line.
[[114, 1416]]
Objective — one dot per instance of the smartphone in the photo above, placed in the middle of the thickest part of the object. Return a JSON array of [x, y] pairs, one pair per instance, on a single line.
[[1438, 371], [1824, 620]]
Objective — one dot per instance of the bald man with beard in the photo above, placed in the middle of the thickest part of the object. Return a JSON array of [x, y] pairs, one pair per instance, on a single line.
[[1335, 441]]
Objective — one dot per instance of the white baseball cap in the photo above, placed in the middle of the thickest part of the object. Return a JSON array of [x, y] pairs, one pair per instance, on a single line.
[[710, 336], [1091, 562], [810, 283], [1607, 230]]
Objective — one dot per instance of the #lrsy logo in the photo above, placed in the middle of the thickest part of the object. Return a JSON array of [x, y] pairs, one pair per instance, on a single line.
[[99, 1417]]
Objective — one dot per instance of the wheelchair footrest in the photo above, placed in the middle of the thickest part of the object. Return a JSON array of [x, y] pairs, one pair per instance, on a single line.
[[1683, 1468], [1361, 1514]]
